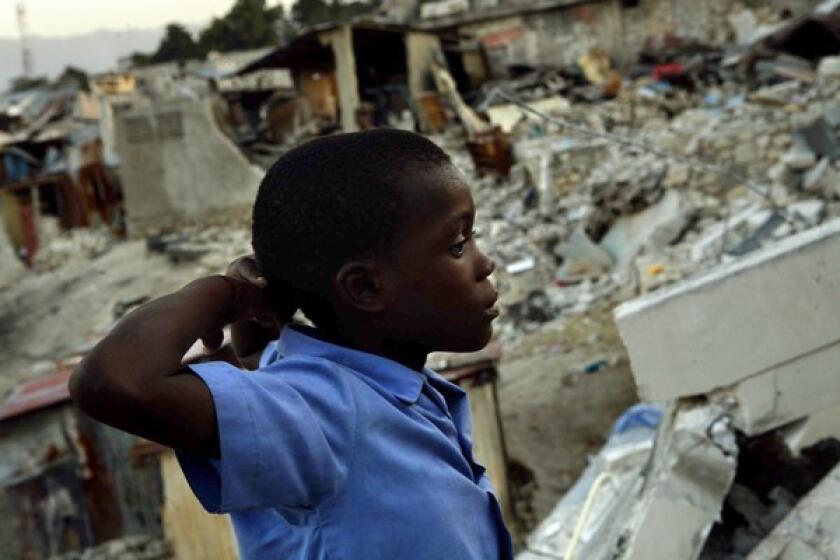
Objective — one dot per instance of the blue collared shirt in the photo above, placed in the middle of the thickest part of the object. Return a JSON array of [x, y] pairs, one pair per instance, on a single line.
[[333, 453]]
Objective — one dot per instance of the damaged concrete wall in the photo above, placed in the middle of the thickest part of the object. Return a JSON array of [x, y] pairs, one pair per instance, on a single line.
[[706, 21], [553, 38], [560, 36], [177, 166], [691, 339]]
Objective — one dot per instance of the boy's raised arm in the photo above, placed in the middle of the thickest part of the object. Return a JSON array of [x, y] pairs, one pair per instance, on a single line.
[[133, 379]]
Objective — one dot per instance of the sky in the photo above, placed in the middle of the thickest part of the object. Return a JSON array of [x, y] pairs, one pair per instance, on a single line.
[[54, 18]]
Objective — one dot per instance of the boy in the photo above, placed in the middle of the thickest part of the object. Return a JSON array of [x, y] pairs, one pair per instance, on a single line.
[[341, 444]]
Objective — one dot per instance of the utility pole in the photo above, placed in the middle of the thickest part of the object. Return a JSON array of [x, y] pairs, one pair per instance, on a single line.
[[25, 53]]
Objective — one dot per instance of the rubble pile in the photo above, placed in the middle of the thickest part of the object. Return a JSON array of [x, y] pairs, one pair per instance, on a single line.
[[74, 244], [736, 466], [581, 219]]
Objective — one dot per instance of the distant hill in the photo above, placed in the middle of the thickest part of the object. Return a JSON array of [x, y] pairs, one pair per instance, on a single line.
[[97, 51]]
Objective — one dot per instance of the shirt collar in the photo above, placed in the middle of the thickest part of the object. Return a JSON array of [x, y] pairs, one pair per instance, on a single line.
[[399, 380]]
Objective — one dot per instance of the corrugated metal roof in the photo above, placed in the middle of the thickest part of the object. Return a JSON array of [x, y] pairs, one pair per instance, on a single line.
[[37, 394]]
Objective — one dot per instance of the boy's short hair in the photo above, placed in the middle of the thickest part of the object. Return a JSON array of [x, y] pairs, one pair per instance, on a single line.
[[330, 200]]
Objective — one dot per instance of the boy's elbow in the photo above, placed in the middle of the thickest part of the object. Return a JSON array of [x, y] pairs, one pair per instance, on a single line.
[[94, 386], [86, 386]]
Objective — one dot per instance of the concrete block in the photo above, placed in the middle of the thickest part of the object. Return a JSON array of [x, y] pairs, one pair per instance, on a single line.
[[766, 309], [691, 472], [790, 391], [177, 166], [811, 530]]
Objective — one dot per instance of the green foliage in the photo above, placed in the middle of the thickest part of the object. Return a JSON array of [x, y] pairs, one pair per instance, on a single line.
[[177, 45], [248, 25], [22, 83], [72, 74], [306, 13], [139, 59]]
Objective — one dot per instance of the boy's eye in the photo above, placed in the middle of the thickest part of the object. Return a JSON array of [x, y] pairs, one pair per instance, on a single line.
[[457, 250]]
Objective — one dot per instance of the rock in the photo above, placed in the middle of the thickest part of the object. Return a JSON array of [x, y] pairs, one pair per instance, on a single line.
[[819, 137], [582, 258], [782, 175], [799, 158], [820, 178], [829, 67], [810, 210]]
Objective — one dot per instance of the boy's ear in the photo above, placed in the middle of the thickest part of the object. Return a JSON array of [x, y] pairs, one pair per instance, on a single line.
[[359, 285]]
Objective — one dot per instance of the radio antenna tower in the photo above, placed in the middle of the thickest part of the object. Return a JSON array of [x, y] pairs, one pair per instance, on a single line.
[[25, 53]]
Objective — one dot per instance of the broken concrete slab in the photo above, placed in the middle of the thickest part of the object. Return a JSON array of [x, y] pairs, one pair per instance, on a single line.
[[789, 391], [820, 138], [509, 115], [811, 530], [691, 338], [582, 258], [692, 469], [656, 226], [815, 180], [810, 210], [799, 157]]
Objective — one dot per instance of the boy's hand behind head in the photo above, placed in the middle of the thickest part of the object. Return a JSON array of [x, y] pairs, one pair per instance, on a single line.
[[248, 269], [248, 301], [251, 333]]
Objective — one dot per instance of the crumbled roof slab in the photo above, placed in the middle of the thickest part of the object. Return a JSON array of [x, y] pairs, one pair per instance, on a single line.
[[774, 312]]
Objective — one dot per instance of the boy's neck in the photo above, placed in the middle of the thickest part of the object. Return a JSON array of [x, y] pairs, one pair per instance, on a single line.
[[406, 354]]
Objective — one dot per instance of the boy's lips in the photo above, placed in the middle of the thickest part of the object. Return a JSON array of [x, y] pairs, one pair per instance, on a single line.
[[492, 309]]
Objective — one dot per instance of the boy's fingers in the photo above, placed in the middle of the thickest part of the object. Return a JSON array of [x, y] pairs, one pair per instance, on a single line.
[[247, 269]]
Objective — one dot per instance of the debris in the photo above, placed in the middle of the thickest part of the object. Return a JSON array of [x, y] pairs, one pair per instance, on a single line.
[[811, 530], [522, 265], [655, 227], [810, 211], [820, 138], [581, 259], [595, 366], [818, 180]]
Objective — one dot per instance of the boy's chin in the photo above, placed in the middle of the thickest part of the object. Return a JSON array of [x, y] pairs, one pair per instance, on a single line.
[[464, 344]]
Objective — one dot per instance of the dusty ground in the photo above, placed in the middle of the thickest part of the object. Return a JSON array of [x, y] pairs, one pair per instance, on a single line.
[[50, 315], [555, 415]]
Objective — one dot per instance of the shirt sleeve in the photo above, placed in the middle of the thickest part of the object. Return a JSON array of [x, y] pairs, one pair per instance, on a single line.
[[286, 435]]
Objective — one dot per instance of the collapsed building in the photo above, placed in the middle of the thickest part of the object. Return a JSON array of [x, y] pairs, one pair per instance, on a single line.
[[605, 166], [53, 174]]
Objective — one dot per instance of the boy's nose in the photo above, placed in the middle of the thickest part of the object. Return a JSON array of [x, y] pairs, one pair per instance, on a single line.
[[486, 266]]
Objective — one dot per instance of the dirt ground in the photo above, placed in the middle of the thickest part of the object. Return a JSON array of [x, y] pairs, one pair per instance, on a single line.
[[554, 414]]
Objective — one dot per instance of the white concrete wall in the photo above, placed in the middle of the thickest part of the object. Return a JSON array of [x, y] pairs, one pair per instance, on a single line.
[[774, 312], [176, 166]]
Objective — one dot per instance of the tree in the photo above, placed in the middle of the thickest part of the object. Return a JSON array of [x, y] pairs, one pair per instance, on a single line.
[[307, 13], [139, 59], [73, 74], [248, 25], [177, 45], [311, 12]]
